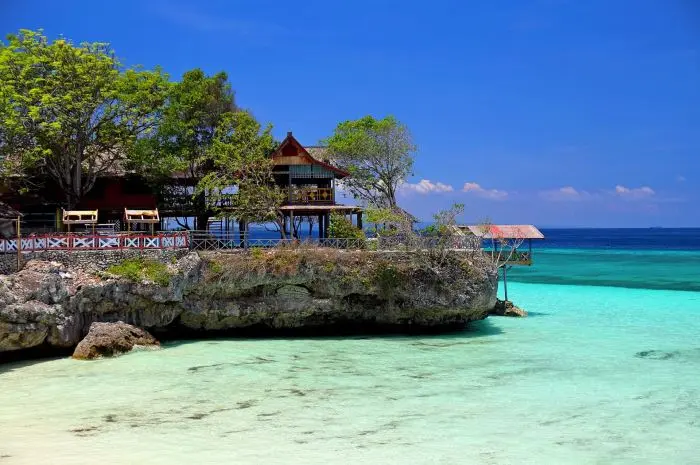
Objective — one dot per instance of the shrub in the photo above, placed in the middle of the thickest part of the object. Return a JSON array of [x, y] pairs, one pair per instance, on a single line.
[[387, 277], [139, 269], [342, 228], [257, 252]]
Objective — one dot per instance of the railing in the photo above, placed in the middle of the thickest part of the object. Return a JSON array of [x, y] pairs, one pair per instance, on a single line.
[[402, 242], [112, 241], [515, 257], [209, 240], [311, 195], [221, 241], [224, 240], [295, 196], [186, 203]]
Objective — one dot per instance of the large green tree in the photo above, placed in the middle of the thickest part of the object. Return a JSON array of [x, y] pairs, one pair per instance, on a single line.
[[71, 112], [241, 181], [378, 153], [195, 108]]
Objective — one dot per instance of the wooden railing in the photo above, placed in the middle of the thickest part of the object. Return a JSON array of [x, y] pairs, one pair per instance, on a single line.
[[185, 203], [311, 195], [115, 241], [222, 241]]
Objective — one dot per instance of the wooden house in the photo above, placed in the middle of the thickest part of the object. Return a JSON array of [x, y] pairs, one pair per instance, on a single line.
[[310, 183]]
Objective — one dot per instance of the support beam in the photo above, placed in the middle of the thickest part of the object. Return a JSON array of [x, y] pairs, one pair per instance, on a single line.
[[242, 233], [291, 224], [320, 226], [326, 224], [359, 220]]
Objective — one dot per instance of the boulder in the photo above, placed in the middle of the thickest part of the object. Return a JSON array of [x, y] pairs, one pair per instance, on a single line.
[[507, 308], [110, 339]]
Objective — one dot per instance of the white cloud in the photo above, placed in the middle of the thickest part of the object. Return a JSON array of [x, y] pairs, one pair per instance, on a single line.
[[564, 193], [426, 186], [634, 193], [680, 178], [493, 194]]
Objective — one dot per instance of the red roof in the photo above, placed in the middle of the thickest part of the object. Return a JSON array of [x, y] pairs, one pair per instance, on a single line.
[[505, 231], [302, 152]]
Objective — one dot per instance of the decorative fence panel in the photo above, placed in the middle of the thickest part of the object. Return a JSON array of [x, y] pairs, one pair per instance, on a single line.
[[116, 241], [223, 240]]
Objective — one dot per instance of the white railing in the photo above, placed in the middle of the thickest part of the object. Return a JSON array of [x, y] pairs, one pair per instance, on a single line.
[[115, 241], [220, 240]]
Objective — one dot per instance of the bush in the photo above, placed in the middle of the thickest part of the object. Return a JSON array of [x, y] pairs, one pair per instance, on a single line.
[[257, 252], [342, 228], [139, 269]]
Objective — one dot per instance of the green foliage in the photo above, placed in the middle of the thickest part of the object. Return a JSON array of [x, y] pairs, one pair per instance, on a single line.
[[257, 253], [239, 156], [195, 108], [215, 267], [342, 228], [444, 222], [447, 218], [139, 269], [379, 155], [382, 216], [387, 278], [430, 231], [389, 221], [71, 112]]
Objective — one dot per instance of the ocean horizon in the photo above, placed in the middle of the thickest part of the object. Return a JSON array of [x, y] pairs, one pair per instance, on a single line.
[[603, 370]]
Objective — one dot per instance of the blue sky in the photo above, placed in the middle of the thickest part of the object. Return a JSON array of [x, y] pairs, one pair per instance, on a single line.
[[553, 112]]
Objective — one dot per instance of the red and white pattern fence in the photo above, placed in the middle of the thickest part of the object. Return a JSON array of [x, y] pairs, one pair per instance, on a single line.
[[75, 242]]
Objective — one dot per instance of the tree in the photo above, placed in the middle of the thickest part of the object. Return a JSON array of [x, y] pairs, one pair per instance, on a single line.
[[240, 157], [195, 107], [388, 221], [379, 155], [342, 228], [501, 249], [71, 112]]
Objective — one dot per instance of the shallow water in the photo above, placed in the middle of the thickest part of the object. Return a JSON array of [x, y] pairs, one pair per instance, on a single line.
[[594, 375]]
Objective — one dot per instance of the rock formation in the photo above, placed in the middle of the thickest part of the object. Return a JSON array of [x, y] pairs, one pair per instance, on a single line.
[[110, 339], [49, 305], [507, 308]]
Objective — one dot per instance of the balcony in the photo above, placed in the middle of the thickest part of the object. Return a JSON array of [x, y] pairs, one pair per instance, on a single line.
[[311, 196]]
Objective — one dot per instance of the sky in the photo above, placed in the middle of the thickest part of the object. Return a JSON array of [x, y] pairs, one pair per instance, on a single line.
[[559, 113]]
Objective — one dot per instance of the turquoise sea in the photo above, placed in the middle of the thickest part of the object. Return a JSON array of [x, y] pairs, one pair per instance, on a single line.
[[605, 370]]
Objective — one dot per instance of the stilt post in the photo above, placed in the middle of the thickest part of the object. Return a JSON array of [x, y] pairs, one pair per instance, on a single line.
[[326, 224]]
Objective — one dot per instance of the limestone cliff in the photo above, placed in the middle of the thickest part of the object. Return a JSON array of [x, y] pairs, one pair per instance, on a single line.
[[52, 305]]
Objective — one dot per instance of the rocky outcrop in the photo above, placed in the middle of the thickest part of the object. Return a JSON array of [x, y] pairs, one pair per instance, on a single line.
[[507, 308], [48, 304], [110, 339]]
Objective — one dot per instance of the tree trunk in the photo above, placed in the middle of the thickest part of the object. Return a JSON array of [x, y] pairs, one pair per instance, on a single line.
[[78, 178], [202, 221]]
